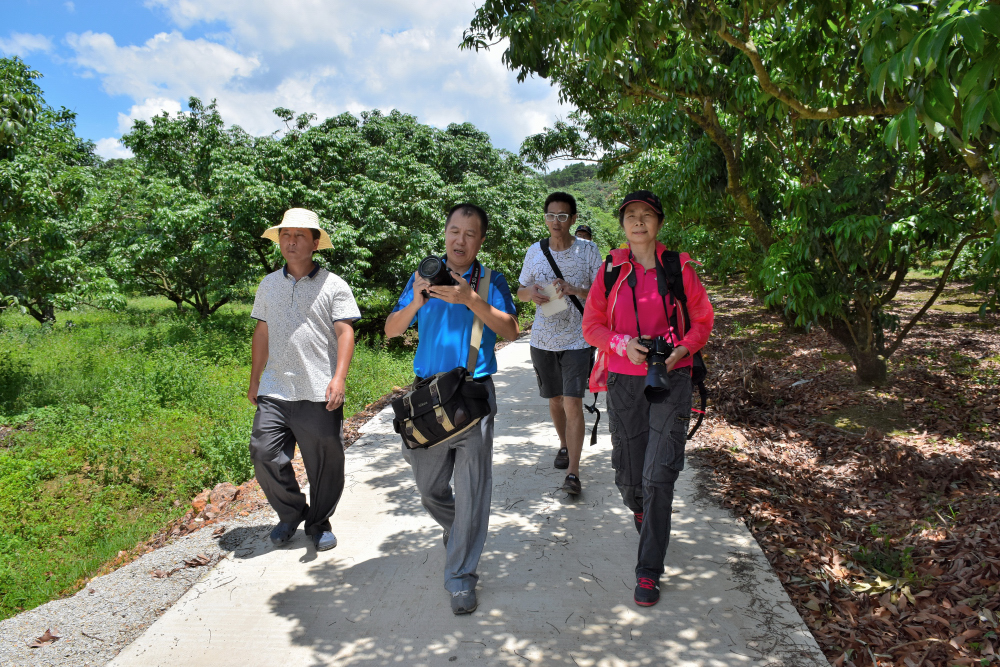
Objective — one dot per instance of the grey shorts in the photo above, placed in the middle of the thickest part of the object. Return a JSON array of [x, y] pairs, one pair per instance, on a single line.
[[562, 373]]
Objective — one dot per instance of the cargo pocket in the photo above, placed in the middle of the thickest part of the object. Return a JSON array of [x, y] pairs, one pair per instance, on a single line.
[[674, 453]]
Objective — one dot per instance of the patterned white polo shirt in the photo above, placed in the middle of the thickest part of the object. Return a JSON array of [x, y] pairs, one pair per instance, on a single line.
[[579, 264], [301, 345]]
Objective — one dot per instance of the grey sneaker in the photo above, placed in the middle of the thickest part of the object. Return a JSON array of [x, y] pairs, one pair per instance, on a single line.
[[463, 602], [325, 540], [284, 532]]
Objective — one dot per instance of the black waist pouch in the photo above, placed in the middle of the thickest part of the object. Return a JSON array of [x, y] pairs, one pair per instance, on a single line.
[[439, 408]]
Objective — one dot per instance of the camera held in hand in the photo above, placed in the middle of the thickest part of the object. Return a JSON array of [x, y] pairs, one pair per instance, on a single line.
[[657, 386], [435, 271]]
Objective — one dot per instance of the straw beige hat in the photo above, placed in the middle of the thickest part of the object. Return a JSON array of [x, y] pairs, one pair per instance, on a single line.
[[300, 217]]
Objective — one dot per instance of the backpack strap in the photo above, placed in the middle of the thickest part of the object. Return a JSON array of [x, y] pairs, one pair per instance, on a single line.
[[611, 273], [673, 284], [544, 244]]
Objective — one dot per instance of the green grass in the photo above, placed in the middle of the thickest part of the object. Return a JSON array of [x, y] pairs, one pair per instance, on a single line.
[[115, 417]]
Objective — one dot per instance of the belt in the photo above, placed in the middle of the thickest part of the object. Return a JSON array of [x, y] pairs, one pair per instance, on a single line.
[[479, 379]]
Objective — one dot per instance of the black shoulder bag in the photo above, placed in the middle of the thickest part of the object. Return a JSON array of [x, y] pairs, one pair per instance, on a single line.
[[592, 409]]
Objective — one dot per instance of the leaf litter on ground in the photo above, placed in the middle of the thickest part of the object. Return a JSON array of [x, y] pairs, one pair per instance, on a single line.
[[877, 507]]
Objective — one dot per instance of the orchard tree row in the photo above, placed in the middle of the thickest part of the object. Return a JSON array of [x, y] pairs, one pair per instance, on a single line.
[[821, 148], [183, 217]]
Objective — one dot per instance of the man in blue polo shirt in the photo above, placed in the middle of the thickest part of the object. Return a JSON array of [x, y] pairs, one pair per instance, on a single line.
[[444, 316]]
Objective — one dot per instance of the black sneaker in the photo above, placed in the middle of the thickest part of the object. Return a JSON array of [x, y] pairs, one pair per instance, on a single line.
[[637, 517], [572, 485], [562, 459], [647, 592]]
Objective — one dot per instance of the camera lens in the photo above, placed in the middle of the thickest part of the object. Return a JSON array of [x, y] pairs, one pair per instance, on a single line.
[[657, 386], [430, 267]]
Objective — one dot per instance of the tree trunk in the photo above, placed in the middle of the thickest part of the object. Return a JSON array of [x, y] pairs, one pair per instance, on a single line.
[[870, 364], [45, 313]]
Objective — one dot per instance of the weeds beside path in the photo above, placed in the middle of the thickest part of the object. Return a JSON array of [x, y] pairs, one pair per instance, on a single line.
[[111, 423], [877, 507]]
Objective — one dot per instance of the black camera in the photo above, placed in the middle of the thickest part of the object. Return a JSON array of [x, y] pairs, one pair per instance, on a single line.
[[657, 386], [435, 271]]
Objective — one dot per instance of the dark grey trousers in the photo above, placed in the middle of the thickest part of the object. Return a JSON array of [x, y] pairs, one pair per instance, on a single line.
[[464, 513], [647, 453], [277, 427]]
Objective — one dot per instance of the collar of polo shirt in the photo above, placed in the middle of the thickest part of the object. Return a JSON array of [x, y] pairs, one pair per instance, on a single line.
[[312, 274]]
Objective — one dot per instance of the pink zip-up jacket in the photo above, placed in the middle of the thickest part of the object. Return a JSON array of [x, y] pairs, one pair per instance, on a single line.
[[599, 312]]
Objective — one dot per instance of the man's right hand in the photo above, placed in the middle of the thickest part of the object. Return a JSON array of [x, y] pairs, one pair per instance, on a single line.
[[537, 295], [252, 392], [420, 287]]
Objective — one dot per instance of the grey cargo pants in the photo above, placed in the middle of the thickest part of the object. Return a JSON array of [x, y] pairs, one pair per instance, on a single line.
[[647, 453], [464, 513]]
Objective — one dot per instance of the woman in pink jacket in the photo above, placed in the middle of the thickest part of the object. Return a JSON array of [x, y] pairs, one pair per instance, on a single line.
[[648, 427]]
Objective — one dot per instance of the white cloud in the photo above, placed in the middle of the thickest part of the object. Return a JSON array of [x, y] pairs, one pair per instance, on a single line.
[[70, 7], [324, 57], [153, 106], [112, 148], [22, 44], [168, 63]]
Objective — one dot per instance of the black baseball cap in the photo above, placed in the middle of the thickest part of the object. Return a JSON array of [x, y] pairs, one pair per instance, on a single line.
[[646, 197], [584, 228]]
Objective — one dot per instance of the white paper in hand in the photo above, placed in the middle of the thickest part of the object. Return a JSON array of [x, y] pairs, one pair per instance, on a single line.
[[556, 303]]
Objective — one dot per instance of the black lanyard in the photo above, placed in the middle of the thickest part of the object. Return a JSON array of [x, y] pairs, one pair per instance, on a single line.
[[632, 281], [477, 273]]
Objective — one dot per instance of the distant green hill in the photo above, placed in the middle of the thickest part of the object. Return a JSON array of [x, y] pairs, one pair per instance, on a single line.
[[571, 175], [597, 200]]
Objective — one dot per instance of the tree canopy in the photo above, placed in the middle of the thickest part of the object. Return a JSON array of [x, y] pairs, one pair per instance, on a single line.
[[778, 148], [46, 176]]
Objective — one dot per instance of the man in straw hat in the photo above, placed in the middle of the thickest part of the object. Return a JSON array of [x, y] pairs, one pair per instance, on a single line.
[[302, 348]]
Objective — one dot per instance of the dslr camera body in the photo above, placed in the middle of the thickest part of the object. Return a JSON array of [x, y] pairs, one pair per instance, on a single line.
[[657, 387], [434, 270]]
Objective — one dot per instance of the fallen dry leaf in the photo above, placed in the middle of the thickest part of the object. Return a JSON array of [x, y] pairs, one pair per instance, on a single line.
[[198, 561], [44, 640]]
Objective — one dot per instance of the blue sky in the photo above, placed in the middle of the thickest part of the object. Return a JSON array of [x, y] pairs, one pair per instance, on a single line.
[[113, 62]]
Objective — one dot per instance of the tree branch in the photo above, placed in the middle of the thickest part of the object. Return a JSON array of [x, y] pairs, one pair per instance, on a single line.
[[893, 107], [940, 287], [979, 168]]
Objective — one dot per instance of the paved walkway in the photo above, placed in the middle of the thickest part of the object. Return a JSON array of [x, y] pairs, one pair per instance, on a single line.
[[555, 585]]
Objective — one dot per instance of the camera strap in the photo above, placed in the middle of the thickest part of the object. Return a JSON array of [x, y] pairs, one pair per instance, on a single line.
[[632, 281], [477, 272]]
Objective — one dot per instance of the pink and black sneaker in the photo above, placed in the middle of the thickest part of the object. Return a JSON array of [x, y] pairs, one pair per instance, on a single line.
[[647, 592]]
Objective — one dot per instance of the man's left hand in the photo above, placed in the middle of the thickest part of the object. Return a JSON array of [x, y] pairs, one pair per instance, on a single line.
[[334, 394], [679, 353], [461, 293]]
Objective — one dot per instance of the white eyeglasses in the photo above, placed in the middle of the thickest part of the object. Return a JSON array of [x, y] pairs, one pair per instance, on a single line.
[[552, 217]]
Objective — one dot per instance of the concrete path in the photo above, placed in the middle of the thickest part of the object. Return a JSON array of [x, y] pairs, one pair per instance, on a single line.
[[555, 585]]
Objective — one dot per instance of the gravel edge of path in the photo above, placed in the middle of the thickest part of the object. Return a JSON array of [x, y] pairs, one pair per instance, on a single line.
[[111, 611]]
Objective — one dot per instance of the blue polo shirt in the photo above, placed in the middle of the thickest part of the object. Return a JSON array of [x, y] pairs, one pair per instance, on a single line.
[[445, 329]]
